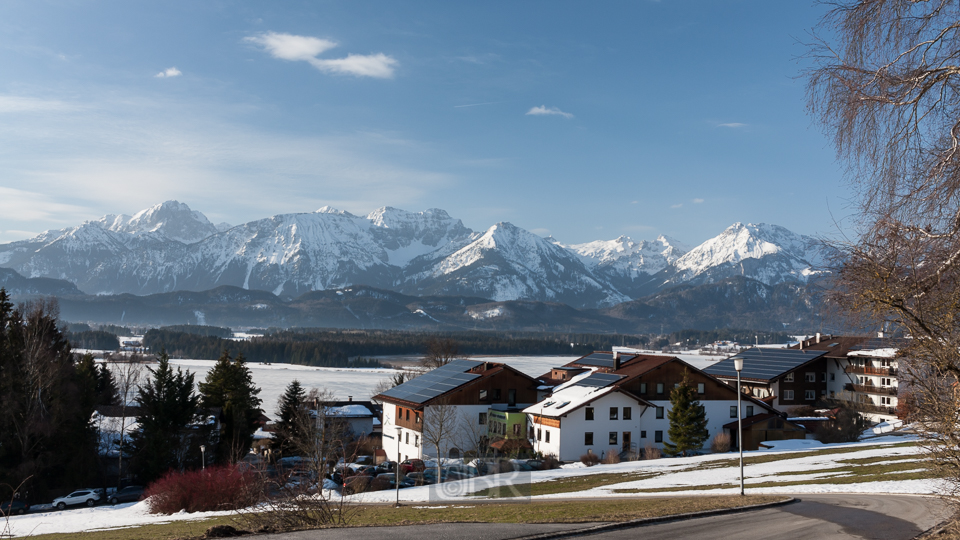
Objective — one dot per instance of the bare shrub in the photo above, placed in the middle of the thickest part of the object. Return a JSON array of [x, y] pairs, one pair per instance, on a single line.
[[589, 459], [651, 452], [611, 457], [720, 443], [224, 487]]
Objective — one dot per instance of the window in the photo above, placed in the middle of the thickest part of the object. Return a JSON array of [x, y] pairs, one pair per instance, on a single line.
[[643, 434], [833, 376], [407, 439], [701, 388], [483, 419], [809, 395], [539, 435], [659, 412], [517, 428], [643, 388], [627, 413], [496, 394], [809, 377], [659, 387], [613, 438], [788, 395], [511, 397], [657, 436], [483, 395], [407, 415], [547, 438], [613, 413], [733, 411], [823, 376], [884, 381], [886, 401], [788, 378], [749, 410], [588, 438], [530, 432], [416, 417], [416, 440], [588, 413]]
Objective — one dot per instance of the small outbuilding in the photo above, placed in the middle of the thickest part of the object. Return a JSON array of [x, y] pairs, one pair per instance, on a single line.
[[764, 427]]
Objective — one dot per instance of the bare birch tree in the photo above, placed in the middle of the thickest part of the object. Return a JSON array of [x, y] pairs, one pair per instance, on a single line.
[[127, 376], [886, 87], [441, 422]]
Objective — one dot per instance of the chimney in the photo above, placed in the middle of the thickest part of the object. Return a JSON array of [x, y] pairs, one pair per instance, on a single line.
[[818, 337], [616, 360], [349, 398], [880, 334]]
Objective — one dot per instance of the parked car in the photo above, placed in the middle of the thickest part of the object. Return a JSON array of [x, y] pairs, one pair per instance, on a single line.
[[387, 466], [127, 494], [13, 508], [412, 465], [465, 471], [88, 497]]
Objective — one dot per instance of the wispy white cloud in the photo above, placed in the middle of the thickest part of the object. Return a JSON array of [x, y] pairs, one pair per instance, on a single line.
[[634, 202], [732, 125], [169, 72], [307, 49], [676, 205], [697, 201], [540, 232], [19, 104], [544, 110]]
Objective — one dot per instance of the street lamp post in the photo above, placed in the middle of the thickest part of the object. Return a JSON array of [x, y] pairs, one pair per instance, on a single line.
[[738, 365], [399, 430], [203, 457]]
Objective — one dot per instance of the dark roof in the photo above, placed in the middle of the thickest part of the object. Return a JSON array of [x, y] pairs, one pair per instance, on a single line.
[[764, 364], [434, 383], [599, 380], [601, 359], [835, 346], [881, 343]]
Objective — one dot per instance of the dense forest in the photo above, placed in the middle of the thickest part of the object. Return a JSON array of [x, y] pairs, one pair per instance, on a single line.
[[93, 339], [340, 348]]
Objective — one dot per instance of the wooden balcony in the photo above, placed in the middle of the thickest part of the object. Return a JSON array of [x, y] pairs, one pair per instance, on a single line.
[[871, 389], [870, 370]]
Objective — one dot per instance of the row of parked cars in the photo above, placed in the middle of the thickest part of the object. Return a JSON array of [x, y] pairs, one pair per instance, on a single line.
[[79, 497], [353, 478]]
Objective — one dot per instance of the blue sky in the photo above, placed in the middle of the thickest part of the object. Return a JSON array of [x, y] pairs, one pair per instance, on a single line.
[[584, 120]]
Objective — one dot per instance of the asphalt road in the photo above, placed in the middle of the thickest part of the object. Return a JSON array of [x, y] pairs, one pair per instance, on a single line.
[[828, 517]]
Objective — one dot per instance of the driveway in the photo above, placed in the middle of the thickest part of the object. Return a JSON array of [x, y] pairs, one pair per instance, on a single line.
[[827, 516]]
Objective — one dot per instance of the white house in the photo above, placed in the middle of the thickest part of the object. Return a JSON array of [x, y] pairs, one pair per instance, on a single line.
[[460, 393], [621, 403]]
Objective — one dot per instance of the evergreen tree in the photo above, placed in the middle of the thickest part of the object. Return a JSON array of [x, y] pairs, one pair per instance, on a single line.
[[168, 405], [97, 380], [45, 426], [290, 409], [229, 386], [688, 420]]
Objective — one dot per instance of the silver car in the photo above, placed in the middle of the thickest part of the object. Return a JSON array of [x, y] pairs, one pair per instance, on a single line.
[[88, 497]]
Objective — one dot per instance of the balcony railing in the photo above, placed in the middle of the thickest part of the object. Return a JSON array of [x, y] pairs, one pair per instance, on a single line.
[[877, 409], [871, 389], [870, 370]]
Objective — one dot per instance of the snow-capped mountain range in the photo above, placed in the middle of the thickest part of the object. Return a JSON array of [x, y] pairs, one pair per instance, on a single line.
[[170, 247]]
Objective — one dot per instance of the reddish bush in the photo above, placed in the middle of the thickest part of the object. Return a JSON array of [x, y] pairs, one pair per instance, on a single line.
[[224, 487]]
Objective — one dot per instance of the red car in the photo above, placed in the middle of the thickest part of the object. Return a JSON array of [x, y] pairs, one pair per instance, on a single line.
[[412, 465]]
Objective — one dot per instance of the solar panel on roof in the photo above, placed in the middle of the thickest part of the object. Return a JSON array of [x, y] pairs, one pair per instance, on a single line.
[[434, 383], [764, 364], [599, 380]]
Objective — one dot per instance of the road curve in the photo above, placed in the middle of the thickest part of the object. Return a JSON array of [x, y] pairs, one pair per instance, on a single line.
[[820, 516]]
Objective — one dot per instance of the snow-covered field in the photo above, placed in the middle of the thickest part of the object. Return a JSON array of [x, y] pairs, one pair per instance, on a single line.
[[692, 473]]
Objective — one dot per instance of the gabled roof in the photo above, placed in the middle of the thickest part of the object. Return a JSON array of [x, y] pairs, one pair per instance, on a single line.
[[757, 418], [435, 382], [762, 364]]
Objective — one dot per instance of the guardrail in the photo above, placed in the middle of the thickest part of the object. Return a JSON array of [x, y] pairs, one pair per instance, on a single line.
[[870, 370]]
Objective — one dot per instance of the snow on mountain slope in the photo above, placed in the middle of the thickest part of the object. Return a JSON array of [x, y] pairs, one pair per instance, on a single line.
[[768, 253], [170, 220], [408, 235], [509, 263], [627, 257]]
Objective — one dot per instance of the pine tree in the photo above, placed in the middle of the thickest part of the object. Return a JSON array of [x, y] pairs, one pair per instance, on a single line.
[[688, 420], [168, 405], [290, 409], [229, 385]]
